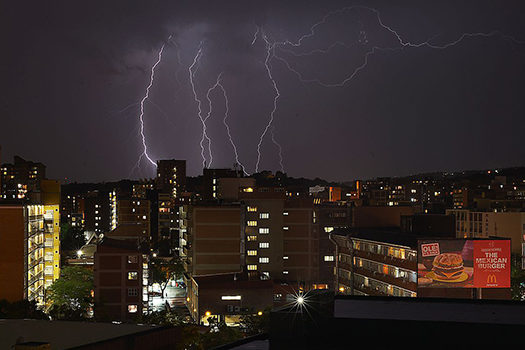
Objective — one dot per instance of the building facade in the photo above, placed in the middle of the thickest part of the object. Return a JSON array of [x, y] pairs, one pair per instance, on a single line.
[[375, 267], [121, 280]]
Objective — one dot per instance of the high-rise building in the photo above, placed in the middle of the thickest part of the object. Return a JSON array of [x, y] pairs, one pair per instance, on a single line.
[[282, 236], [125, 210], [211, 178], [96, 212], [121, 280], [478, 224], [50, 197], [29, 250], [377, 262], [20, 178], [171, 176], [214, 239]]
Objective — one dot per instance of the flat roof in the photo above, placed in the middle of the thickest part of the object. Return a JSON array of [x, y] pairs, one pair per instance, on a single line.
[[430, 309], [392, 235], [62, 334]]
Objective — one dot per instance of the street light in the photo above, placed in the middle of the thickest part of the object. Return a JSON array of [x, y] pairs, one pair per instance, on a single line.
[[79, 253]]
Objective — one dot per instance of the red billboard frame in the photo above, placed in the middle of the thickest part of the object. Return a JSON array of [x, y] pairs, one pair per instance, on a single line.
[[464, 263]]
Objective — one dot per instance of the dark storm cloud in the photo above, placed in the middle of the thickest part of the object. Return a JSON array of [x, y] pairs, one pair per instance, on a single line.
[[70, 68]]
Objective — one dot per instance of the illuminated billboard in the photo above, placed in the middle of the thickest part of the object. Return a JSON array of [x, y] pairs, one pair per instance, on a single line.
[[463, 263]]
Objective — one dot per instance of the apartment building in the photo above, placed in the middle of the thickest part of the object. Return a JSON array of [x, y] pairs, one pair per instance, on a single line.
[[121, 280], [129, 210], [214, 238], [20, 178], [29, 247], [282, 236], [376, 262], [481, 224]]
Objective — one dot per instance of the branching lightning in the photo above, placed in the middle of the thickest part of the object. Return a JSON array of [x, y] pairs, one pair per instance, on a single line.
[[373, 50], [270, 51], [192, 72], [281, 52], [226, 115], [210, 110], [141, 116]]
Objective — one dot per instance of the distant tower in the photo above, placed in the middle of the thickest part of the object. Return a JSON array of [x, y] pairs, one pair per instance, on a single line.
[[171, 177]]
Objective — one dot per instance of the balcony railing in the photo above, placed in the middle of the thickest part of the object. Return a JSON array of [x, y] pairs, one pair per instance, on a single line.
[[369, 291], [390, 260], [35, 261], [395, 281], [34, 278], [344, 265]]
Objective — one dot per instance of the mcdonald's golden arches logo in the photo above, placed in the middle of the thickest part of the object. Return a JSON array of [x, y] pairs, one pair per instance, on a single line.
[[491, 279]]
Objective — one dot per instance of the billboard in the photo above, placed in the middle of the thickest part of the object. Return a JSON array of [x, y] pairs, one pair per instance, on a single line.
[[463, 263]]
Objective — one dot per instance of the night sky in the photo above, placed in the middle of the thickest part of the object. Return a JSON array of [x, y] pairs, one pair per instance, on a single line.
[[74, 74]]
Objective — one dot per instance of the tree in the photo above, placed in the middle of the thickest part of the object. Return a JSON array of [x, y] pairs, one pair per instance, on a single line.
[[256, 324], [164, 270], [71, 238], [223, 335], [517, 278], [166, 317], [70, 296]]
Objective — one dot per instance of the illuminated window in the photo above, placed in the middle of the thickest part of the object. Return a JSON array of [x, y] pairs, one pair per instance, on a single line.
[[251, 209], [328, 258], [252, 238], [247, 189], [133, 275], [285, 228], [264, 245], [231, 297], [264, 260], [285, 272], [252, 267], [264, 215], [285, 213], [133, 259], [252, 223], [132, 308], [264, 230], [252, 252], [328, 229], [285, 258]]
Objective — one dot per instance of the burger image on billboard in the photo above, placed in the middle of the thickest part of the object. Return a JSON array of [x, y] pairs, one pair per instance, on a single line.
[[448, 266]]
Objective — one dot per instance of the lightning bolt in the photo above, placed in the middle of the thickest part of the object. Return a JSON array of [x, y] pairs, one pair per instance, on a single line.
[[210, 110], [226, 114], [179, 65], [373, 50], [281, 46], [141, 115], [279, 148], [270, 51], [256, 35], [192, 72]]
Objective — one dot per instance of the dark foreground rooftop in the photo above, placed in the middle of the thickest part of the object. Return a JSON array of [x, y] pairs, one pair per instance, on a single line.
[[62, 334]]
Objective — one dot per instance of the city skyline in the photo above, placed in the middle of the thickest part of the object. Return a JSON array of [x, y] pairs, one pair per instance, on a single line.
[[408, 109]]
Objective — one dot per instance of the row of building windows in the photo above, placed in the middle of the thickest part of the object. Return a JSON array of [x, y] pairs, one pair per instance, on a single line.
[[394, 271], [382, 287], [382, 249]]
